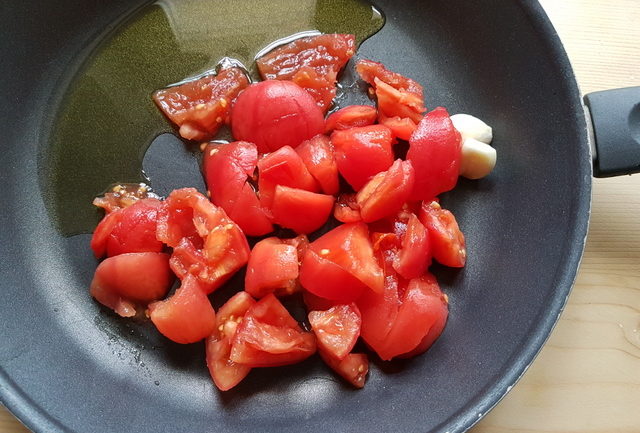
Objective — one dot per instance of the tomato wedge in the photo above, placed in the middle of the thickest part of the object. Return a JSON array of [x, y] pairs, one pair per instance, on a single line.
[[199, 107], [299, 210], [401, 128], [337, 329], [122, 281], [225, 373], [414, 256], [353, 368], [351, 116], [448, 246], [361, 153], [273, 266], [311, 62], [268, 336], [435, 151], [317, 155], [187, 316]]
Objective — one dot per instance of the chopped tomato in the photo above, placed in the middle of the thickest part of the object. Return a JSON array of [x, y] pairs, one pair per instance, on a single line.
[[269, 336], [227, 168], [401, 128], [283, 167], [122, 281], [185, 317], [361, 153], [337, 329], [379, 311], [395, 103], [225, 373], [299, 210], [434, 151], [353, 368], [273, 266], [311, 62], [370, 70], [317, 155], [340, 265], [123, 195], [414, 256], [386, 192], [274, 113], [351, 117], [447, 241], [201, 106], [347, 209]]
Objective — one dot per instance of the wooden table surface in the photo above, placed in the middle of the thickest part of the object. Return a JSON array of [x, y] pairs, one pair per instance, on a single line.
[[587, 377]]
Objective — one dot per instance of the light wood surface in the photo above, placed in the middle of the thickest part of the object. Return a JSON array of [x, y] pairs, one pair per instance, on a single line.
[[587, 377]]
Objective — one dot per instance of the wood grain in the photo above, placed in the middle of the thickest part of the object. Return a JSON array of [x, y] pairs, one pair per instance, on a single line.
[[587, 377]]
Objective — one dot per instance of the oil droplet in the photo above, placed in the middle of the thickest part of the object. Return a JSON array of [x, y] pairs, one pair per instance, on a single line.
[[157, 383], [107, 119]]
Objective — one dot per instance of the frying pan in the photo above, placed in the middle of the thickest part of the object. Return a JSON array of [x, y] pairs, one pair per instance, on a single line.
[[67, 365]]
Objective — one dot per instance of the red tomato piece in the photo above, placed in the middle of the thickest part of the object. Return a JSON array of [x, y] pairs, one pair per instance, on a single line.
[[283, 167], [201, 106], [274, 113], [395, 103], [227, 168], [103, 232], [337, 329], [185, 317], [435, 151], [311, 62], [351, 117], [273, 266], [317, 155], [353, 368], [328, 280], [370, 70], [299, 210], [122, 281], [414, 256], [225, 373], [401, 128], [269, 336], [386, 192], [379, 311], [448, 246], [361, 153], [123, 195]]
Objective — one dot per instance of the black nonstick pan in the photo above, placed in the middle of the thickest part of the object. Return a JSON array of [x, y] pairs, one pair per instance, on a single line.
[[69, 365]]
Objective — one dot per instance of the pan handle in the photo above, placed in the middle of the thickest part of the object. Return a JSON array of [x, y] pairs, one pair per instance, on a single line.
[[615, 116]]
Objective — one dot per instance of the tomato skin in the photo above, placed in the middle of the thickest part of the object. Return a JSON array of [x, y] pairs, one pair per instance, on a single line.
[[448, 246], [351, 116], [414, 256], [337, 329], [102, 232], [227, 168], [269, 336], [379, 312], [401, 128], [361, 153], [286, 168], [326, 279], [386, 192], [353, 368], [201, 106], [299, 210], [185, 317], [317, 155], [311, 62], [272, 265], [275, 113], [434, 151], [126, 279]]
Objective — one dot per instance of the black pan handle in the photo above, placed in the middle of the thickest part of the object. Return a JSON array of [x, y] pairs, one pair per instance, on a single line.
[[615, 116]]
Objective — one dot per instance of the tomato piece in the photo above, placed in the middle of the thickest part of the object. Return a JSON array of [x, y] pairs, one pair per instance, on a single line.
[[379, 312], [447, 242], [311, 62], [227, 168], [123, 195], [185, 317], [386, 192], [283, 167], [273, 265], [317, 155], [395, 103], [434, 151], [225, 373], [199, 107], [102, 233], [401, 128], [351, 116], [274, 113], [414, 256], [370, 70], [269, 336], [135, 229], [328, 280], [353, 368], [434, 332], [347, 209], [337, 329], [299, 210], [361, 153], [124, 280]]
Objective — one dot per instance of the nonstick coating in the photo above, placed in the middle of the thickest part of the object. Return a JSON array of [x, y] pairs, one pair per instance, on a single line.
[[69, 365]]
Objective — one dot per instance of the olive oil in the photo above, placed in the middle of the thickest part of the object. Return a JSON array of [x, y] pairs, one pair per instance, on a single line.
[[107, 119]]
